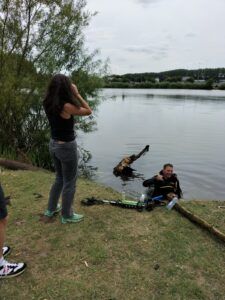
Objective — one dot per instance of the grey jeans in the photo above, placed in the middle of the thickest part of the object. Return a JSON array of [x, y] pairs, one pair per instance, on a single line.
[[65, 159]]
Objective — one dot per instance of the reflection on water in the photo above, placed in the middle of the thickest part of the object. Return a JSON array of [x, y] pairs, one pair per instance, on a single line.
[[184, 127], [177, 97], [132, 176]]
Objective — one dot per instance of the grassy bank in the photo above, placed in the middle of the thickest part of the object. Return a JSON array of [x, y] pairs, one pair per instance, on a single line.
[[115, 253]]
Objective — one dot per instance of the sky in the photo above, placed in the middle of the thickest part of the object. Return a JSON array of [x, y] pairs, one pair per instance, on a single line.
[[157, 35]]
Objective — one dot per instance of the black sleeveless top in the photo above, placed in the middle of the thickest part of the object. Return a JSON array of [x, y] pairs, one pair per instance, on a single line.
[[61, 129]]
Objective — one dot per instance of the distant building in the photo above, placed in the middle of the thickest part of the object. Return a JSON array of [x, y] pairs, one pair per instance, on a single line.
[[199, 81], [221, 75], [157, 80], [185, 78], [221, 82]]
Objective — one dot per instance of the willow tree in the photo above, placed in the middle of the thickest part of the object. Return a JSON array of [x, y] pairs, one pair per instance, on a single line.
[[38, 39]]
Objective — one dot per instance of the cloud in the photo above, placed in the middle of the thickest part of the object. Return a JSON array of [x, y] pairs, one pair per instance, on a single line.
[[139, 49], [157, 53], [148, 2], [158, 34], [190, 35], [99, 33], [160, 54]]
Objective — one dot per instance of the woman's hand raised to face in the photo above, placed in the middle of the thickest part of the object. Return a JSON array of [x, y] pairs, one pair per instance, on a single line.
[[81, 110], [75, 90]]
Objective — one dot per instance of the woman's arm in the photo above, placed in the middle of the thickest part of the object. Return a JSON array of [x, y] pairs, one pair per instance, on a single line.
[[83, 110]]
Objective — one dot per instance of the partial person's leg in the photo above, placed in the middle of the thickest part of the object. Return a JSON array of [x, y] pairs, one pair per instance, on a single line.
[[7, 269], [3, 220], [3, 223]]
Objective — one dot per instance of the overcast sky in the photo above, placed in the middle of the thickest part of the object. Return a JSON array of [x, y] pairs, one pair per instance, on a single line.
[[158, 35]]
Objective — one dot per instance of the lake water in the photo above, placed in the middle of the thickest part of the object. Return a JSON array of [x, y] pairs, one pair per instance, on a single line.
[[183, 127]]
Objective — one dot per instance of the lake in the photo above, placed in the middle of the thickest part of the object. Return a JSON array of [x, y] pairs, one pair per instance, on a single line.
[[183, 127]]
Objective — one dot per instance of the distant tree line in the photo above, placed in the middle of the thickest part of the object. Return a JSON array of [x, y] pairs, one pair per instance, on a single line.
[[178, 79]]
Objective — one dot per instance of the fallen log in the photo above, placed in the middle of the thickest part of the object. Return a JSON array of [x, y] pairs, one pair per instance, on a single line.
[[123, 167], [17, 165], [202, 223]]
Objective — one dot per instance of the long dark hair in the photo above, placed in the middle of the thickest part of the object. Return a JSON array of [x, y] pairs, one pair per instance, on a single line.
[[58, 93]]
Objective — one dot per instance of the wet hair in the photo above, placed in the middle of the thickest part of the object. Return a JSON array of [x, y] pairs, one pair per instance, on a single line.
[[58, 93], [167, 165]]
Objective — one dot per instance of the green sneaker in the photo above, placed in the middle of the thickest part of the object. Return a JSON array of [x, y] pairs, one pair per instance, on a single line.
[[49, 213], [75, 218]]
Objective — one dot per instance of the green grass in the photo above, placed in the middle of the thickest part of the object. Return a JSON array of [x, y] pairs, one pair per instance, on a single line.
[[115, 253]]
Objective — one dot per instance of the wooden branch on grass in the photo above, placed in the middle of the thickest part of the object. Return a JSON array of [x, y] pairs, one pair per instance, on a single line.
[[202, 223], [17, 165]]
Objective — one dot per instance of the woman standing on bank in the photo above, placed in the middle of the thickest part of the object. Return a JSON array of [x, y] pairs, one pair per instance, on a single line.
[[61, 103]]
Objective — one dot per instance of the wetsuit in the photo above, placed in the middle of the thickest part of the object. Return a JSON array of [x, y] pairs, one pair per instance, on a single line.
[[165, 186]]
